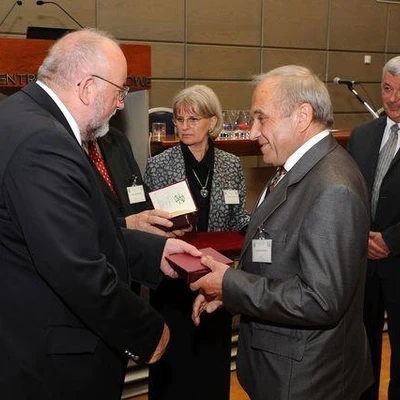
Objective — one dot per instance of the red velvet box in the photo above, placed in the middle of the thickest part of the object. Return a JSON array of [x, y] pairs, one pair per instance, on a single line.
[[190, 268], [228, 243]]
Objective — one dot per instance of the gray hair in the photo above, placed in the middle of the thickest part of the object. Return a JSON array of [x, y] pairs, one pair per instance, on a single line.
[[202, 100], [297, 85], [392, 66], [73, 56]]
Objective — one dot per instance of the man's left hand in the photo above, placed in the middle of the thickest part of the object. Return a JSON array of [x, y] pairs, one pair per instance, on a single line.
[[377, 248], [201, 304]]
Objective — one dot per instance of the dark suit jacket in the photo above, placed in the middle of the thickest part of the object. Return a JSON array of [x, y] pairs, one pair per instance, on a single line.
[[364, 145], [67, 315], [301, 334], [122, 167]]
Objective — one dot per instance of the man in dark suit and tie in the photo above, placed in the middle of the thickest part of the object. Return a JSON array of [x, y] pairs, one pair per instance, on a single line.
[[122, 184], [68, 319], [124, 189], [300, 283], [374, 146]]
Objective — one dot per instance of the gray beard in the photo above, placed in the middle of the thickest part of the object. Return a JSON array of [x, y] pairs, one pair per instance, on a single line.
[[95, 132], [93, 128]]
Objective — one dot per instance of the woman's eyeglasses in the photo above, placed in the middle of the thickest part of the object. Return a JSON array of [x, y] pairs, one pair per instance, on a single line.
[[191, 121]]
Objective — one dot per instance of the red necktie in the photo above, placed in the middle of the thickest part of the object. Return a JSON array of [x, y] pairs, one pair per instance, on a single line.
[[98, 161]]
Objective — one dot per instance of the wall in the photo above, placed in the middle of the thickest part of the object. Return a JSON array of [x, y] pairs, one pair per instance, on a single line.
[[222, 43]]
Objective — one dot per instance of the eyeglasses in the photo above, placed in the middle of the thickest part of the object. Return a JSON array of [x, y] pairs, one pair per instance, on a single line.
[[191, 121], [123, 90]]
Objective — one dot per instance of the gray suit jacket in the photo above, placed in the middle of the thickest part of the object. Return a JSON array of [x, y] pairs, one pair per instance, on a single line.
[[169, 167], [301, 334]]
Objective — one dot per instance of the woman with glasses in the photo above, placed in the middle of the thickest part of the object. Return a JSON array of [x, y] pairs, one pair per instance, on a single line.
[[196, 364]]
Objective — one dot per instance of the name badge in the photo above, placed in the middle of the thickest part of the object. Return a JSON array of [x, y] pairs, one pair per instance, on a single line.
[[262, 250], [231, 196], [136, 194]]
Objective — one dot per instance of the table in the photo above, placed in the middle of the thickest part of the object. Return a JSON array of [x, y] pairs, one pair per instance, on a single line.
[[239, 147]]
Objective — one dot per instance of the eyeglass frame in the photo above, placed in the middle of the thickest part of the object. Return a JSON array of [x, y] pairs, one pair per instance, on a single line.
[[123, 90], [191, 121]]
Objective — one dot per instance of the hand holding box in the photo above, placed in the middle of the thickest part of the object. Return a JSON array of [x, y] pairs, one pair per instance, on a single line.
[[190, 268]]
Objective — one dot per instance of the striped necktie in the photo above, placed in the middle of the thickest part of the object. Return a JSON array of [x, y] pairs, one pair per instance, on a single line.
[[279, 173], [385, 159], [98, 161]]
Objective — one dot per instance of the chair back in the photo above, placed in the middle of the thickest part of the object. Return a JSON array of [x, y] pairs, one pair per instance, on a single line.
[[162, 114]]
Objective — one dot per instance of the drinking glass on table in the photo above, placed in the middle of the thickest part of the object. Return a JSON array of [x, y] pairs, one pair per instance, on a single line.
[[159, 130], [233, 115], [227, 126]]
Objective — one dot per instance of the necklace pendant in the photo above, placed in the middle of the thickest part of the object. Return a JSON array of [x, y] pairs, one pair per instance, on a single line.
[[203, 190], [204, 193]]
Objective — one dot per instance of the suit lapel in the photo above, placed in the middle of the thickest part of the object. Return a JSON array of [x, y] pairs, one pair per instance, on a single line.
[[107, 149], [395, 159], [176, 164], [269, 205], [277, 198], [372, 156], [40, 96], [218, 182], [46, 102], [34, 91]]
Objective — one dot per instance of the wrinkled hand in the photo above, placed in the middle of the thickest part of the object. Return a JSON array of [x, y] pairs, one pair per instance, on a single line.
[[201, 304], [145, 221], [377, 248], [211, 284], [161, 347], [181, 232], [173, 246]]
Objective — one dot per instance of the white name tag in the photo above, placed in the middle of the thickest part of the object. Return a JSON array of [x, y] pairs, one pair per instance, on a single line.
[[262, 250], [231, 196], [136, 194]]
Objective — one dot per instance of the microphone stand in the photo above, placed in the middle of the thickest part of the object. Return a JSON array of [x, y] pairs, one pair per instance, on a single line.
[[9, 11], [40, 3], [360, 99]]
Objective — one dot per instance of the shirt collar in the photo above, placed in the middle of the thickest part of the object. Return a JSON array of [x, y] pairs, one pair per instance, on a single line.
[[295, 157], [390, 123], [68, 116]]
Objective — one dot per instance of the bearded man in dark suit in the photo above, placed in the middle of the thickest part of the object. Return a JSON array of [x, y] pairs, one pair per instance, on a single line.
[[69, 321], [133, 209]]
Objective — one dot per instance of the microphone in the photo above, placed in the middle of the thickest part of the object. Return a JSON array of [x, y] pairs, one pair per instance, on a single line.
[[40, 3], [10, 10], [350, 85], [348, 82]]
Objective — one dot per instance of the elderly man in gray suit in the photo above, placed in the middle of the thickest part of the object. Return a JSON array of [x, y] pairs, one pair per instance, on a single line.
[[300, 284]]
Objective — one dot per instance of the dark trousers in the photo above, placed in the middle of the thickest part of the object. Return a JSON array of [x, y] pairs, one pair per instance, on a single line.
[[196, 364], [382, 292]]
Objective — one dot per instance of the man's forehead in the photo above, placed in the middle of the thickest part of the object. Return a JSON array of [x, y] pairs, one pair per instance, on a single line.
[[265, 88], [391, 79], [262, 98]]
